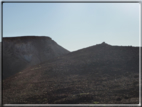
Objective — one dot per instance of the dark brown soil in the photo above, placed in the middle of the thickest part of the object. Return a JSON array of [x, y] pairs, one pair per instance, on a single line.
[[101, 74]]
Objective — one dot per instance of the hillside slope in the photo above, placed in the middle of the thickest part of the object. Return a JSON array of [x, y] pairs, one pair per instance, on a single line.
[[101, 74], [21, 52]]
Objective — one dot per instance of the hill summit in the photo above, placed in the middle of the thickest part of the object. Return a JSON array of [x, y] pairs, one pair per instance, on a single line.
[[104, 44], [24, 51]]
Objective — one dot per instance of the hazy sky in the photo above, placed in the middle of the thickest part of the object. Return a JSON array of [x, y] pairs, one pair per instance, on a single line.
[[74, 25]]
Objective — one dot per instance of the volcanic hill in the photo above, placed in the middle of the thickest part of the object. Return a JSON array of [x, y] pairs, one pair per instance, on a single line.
[[22, 52], [100, 74]]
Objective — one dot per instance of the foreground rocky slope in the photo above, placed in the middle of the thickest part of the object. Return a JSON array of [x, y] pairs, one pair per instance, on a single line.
[[101, 74], [21, 52]]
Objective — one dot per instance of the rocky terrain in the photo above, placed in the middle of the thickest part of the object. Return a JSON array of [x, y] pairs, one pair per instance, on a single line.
[[100, 74], [22, 52]]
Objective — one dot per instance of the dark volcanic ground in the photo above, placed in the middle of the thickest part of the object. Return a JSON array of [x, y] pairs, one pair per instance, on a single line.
[[22, 52], [101, 74]]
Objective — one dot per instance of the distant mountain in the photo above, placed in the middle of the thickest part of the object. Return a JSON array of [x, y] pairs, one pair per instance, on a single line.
[[100, 74], [21, 52]]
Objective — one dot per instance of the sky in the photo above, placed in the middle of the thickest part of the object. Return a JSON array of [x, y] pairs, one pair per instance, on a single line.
[[75, 25]]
